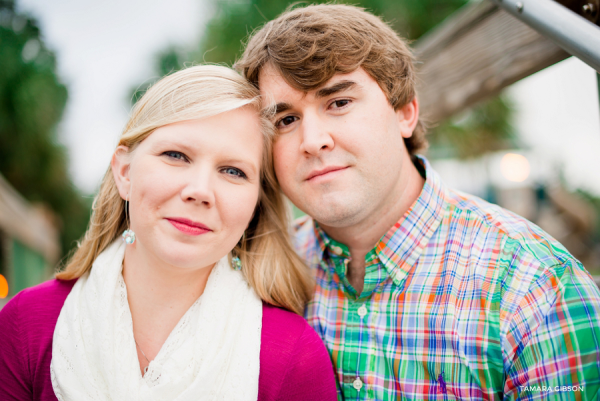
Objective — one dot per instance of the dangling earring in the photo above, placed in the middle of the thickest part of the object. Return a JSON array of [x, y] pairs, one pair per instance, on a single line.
[[236, 263], [128, 235]]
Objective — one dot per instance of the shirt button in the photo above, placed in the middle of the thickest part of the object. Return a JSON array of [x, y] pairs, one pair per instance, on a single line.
[[362, 311], [357, 384]]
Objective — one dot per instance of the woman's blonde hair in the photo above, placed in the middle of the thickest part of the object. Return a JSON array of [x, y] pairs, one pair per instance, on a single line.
[[269, 262]]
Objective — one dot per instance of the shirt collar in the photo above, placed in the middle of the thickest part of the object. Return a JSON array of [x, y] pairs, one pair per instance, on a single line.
[[403, 244]]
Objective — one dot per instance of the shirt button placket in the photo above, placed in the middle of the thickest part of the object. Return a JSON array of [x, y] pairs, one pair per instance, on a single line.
[[358, 383]]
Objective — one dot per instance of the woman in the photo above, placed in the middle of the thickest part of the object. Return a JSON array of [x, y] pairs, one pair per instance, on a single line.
[[172, 310]]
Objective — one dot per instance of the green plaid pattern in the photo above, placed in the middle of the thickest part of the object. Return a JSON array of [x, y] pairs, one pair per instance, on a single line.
[[462, 300]]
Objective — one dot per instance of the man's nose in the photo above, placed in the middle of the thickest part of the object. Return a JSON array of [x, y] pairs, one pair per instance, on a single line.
[[316, 135], [199, 187]]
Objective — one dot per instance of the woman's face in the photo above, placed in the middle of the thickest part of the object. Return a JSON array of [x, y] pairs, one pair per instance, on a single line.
[[193, 187]]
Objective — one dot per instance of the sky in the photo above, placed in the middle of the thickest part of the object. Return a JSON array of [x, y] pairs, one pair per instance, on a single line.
[[105, 48], [559, 118]]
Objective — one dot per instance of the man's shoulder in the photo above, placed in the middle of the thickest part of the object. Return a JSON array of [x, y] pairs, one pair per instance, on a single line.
[[490, 221]]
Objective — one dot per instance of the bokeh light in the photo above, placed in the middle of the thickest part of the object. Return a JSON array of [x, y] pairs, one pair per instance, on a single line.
[[3, 287], [514, 167]]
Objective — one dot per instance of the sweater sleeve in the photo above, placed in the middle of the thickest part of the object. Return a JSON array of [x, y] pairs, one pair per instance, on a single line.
[[15, 383], [310, 373]]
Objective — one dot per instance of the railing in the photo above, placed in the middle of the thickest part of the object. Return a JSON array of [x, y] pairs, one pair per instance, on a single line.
[[483, 48], [574, 33]]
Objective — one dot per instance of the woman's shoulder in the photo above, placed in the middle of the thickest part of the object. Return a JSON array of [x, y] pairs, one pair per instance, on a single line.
[[282, 322], [291, 355], [287, 332], [41, 301], [28, 321], [33, 312]]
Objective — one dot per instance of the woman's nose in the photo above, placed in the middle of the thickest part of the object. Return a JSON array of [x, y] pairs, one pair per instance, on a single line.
[[199, 188]]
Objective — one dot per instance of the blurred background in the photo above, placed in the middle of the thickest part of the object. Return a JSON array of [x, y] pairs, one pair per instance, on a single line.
[[71, 70]]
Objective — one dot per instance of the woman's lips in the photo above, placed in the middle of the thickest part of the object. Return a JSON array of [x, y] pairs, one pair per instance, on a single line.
[[189, 227]]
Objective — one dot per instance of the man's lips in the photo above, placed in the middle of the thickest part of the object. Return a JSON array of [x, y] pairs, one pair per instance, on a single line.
[[188, 226], [324, 171]]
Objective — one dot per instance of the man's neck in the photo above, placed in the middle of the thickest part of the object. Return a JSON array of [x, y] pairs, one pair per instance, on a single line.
[[360, 238]]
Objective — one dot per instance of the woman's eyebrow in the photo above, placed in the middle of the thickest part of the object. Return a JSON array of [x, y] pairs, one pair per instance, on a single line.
[[169, 143], [335, 88]]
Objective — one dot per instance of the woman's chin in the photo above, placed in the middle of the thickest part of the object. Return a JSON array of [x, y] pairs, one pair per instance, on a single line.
[[188, 256]]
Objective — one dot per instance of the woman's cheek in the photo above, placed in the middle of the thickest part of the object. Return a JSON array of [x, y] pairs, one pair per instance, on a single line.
[[239, 206]]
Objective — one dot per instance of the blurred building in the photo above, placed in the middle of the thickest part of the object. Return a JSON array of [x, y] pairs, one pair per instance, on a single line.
[[29, 241]]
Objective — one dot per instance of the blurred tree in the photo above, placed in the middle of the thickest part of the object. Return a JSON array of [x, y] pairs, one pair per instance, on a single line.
[[484, 128], [32, 100], [234, 20]]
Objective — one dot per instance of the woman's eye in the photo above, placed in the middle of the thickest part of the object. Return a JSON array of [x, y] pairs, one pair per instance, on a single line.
[[236, 172], [338, 104], [285, 121], [175, 155]]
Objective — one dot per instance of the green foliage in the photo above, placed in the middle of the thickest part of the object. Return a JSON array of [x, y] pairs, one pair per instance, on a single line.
[[32, 100], [594, 201], [234, 20], [484, 128]]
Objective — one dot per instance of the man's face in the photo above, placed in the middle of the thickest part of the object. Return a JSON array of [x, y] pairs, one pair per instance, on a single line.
[[339, 153]]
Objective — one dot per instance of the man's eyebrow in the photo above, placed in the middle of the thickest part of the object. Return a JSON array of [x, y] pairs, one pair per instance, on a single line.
[[337, 87], [321, 93], [281, 107]]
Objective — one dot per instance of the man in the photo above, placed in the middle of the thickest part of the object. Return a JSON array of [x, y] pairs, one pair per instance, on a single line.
[[422, 292]]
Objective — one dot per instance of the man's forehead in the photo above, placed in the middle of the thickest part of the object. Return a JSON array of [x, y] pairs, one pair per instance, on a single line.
[[270, 80], [273, 86]]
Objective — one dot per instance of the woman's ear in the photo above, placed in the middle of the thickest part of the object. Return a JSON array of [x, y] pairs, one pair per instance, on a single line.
[[120, 163]]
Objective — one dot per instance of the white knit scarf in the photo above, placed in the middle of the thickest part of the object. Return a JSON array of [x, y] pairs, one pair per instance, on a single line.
[[212, 354]]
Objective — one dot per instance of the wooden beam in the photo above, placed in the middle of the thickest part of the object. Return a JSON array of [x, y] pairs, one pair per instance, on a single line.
[[473, 55], [30, 225]]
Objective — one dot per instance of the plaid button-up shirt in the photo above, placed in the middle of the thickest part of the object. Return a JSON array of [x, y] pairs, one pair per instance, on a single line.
[[462, 300]]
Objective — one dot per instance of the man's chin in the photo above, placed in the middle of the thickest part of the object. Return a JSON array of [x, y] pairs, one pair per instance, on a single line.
[[336, 215]]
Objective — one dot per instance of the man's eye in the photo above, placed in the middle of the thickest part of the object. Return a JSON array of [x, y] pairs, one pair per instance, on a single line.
[[236, 172], [175, 155], [337, 104], [285, 121]]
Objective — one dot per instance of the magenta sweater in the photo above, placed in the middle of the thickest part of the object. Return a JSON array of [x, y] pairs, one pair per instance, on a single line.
[[294, 364]]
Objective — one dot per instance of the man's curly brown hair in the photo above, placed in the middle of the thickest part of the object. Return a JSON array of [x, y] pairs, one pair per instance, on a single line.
[[309, 45]]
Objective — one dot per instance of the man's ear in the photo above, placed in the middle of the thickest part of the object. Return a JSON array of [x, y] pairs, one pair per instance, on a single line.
[[408, 117], [120, 164]]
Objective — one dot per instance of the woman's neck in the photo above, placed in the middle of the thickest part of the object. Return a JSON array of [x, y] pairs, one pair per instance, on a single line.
[[158, 295]]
